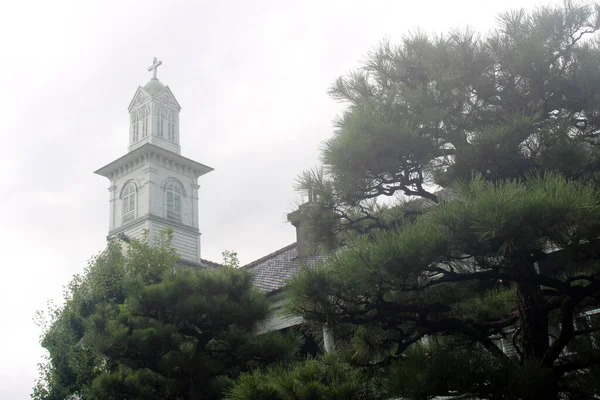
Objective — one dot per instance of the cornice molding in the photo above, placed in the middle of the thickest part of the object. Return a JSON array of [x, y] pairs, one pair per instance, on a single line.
[[152, 153], [156, 218]]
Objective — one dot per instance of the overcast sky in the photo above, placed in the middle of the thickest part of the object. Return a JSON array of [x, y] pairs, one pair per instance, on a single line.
[[251, 77]]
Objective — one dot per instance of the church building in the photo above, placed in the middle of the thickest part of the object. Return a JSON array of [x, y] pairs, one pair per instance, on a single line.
[[153, 187]]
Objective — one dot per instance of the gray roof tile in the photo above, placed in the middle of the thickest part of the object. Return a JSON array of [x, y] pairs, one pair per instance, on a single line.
[[273, 271]]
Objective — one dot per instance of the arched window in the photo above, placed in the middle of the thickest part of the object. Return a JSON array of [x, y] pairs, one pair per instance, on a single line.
[[128, 202], [145, 113], [171, 126], [134, 126], [174, 194]]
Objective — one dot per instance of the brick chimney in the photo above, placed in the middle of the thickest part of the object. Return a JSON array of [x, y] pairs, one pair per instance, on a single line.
[[303, 240]]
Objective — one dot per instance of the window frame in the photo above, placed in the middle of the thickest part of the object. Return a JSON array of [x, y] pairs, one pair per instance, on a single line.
[[145, 113], [160, 115], [174, 201], [171, 126], [128, 202], [134, 126]]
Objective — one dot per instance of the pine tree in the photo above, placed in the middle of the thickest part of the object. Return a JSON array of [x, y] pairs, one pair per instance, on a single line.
[[326, 378], [460, 190]]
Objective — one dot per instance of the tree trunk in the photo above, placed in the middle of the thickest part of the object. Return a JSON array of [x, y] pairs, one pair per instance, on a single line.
[[534, 321], [197, 381], [534, 326]]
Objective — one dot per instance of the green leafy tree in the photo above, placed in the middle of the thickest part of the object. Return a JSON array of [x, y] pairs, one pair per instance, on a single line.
[[460, 188], [138, 326], [71, 365]]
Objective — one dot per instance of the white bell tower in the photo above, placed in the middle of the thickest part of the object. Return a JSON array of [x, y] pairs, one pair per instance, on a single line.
[[153, 187], [154, 115]]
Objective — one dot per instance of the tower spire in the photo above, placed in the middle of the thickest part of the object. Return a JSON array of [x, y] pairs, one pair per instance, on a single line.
[[153, 186], [154, 67]]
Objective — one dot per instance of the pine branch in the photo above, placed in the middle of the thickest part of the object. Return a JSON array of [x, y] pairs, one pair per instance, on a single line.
[[565, 335]]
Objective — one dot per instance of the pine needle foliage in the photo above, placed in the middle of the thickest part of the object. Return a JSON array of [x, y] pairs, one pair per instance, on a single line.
[[484, 283]]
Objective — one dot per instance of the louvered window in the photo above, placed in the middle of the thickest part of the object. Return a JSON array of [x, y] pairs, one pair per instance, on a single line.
[[145, 113], [589, 320], [506, 343], [507, 347], [128, 201], [173, 201], [171, 127], [134, 126], [160, 115]]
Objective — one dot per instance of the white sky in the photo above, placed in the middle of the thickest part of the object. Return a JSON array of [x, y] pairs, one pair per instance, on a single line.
[[251, 77]]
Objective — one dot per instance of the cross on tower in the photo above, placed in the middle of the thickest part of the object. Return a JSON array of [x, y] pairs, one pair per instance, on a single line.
[[154, 67]]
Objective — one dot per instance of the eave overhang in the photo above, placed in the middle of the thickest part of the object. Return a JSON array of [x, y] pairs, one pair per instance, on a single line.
[[150, 151]]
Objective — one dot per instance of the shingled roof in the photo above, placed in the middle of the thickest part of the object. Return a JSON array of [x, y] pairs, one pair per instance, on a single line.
[[273, 271], [210, 264]]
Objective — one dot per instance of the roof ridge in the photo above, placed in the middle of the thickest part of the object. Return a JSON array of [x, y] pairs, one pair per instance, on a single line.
[[270, 255], [210, 263]]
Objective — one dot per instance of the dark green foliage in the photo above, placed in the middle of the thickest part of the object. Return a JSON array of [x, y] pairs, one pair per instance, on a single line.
[[137, 326], [432, 109], [326, 378], [470, 288], [452, 369]]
